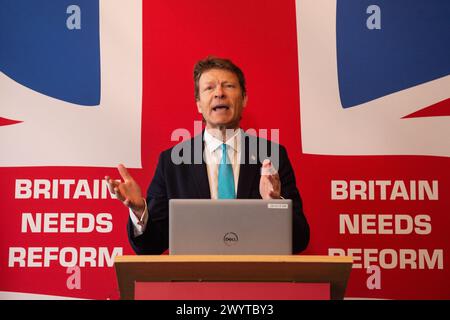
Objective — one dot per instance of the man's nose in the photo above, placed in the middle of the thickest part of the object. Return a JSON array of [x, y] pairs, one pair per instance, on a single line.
[[219, 93]]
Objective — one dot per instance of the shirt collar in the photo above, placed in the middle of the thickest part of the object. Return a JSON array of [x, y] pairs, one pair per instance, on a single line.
[[213, 143]]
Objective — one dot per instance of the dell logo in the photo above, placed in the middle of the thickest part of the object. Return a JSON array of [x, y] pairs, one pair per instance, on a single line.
[[230, 238]]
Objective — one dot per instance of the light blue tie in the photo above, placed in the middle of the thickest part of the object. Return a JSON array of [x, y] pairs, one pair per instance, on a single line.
[[226, 177]]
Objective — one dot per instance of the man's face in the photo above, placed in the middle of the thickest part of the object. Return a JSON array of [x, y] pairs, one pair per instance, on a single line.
[[220, 99]]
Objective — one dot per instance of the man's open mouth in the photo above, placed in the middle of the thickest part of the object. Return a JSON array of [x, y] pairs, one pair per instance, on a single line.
[[220, 107]]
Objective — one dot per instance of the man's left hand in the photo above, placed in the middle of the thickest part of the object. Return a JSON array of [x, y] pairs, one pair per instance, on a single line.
[[269, 184]]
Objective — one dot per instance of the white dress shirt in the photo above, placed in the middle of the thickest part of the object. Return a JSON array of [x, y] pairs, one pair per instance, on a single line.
[[212, 156]]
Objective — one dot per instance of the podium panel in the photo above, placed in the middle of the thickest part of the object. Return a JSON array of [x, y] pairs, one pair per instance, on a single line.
[[229, 268], [231, 291]]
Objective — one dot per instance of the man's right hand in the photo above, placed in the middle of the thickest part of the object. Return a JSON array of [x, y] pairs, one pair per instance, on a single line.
[[127, 191]]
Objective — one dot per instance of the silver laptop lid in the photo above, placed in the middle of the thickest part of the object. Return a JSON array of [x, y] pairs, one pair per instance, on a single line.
[[241, 226]]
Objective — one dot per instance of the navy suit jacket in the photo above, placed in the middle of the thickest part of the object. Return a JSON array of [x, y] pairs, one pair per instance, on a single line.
[[188, 180]]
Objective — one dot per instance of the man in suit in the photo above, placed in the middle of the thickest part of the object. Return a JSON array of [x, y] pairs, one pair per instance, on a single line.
[[221, 163]]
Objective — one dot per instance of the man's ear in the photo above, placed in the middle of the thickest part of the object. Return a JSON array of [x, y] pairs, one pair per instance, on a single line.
[[199, 109], [244, 102]]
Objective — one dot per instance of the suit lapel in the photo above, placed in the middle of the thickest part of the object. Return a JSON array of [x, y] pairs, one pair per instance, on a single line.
[[250, 167], [199, 171]]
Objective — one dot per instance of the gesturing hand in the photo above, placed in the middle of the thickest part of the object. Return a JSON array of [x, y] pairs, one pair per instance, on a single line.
[[128, 191], [269, 184]]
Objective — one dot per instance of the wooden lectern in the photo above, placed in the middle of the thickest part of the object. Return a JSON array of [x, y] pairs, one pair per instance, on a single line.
[[231, 268]]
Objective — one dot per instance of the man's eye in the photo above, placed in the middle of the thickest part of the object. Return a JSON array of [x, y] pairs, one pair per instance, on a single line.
[[208, 88], [230, 86]]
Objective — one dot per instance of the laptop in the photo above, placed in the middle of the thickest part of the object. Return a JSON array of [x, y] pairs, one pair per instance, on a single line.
[[238, 226]]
